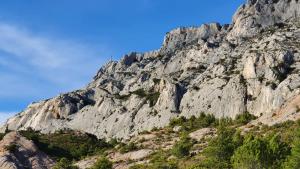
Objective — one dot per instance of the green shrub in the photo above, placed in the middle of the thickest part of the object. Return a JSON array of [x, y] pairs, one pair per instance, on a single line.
[[157, 165], [182, 148], [113, 142], [140, 93], [260, 152], [225, 122], [64, 163], [158, 160], [67, 144], [153, 98], [122, 97], [11, 148], [194, 123], [156, 81], [30, 134], [165, 165], [103, 163], [244, 118], [1, 136], [220, 149], [178, 121], [138, 166], [253, 154], [293, 160], [125, 148]]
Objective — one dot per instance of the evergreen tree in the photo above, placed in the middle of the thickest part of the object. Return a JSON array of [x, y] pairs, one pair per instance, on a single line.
[[103, 163], [220, 149], [293, 161]]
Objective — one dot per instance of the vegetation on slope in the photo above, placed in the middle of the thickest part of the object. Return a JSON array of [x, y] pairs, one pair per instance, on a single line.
[[103, 163], [231, 147], [64, 163], [1, 136], [261, 147], [150, 96], [68, 144]]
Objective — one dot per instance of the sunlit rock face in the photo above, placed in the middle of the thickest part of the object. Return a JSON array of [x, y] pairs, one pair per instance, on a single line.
[[22, 154], [251, 65], [257, 15]]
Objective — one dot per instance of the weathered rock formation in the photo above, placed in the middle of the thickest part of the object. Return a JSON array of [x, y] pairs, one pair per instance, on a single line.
[[16, 152], [250, 65]]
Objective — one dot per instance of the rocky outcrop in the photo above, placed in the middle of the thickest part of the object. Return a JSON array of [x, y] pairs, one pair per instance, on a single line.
[[250, 66], [134, 155], [16, 152], [179, 37], [256, 15], [204, 133]]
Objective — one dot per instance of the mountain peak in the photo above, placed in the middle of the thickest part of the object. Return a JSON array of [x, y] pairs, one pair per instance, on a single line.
[[197, 69], [256, 15]]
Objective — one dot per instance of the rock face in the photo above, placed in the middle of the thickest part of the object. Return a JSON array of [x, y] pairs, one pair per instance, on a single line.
[[203, 133], [257, 15], [250, 65], [18, 153]]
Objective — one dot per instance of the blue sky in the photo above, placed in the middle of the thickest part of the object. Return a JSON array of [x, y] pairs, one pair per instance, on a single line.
[[52, 46]]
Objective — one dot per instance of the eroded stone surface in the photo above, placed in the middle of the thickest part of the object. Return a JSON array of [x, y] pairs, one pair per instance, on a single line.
[[251, 65], [24, 154]]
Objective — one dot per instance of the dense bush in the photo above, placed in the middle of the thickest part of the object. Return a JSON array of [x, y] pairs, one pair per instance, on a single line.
[[220, 149], [167, 165], [125, 148], [159, 161], [156, 81], [64, 163], [103, 163], [140, 93], [182, 148], [253, 154], [157, 165], [260, 153], [1, 136], [68, 144], [265, 147], [194, 123], [153, 98], [231, 150], [293, 160], [244, 118], [150, 96], [11, 147], [122, 97]]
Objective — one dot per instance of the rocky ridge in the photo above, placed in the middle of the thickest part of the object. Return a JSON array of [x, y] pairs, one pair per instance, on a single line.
[[251, 65], [16, 152]]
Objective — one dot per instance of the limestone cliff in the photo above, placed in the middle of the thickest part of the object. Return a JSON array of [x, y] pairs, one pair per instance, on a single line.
[[250, 65]]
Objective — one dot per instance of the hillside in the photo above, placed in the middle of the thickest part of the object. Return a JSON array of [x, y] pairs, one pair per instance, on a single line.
[[213, 96], [251, 65]]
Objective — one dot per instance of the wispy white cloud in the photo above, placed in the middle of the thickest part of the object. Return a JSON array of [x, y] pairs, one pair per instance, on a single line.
[[32, 64], [4, 116]]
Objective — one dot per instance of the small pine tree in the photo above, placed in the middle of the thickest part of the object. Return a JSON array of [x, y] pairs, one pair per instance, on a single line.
[[268, 152], [103, 163], [64, 164], [250, 155], [220, 149], [182, 148], [293, 161]]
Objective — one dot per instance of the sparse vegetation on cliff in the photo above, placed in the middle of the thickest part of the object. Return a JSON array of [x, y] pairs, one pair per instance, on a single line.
[[1, 136], [68, 144]]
